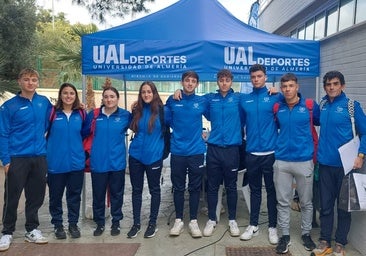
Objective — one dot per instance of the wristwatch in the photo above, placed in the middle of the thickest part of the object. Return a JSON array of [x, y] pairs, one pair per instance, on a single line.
[[361, 155]]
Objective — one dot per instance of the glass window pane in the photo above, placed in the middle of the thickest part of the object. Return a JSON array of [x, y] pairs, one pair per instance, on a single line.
[[360, 11], [293, 34], [319, 27], [332, 21], [346, 14], [301, 34], [309, 30]]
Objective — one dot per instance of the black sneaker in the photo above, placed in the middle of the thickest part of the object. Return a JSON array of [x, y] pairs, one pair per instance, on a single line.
[[135, 229], [74, 231], [60, 232], [283, 244], [150, 231], [308, 243], [115, 229], [99, 230]]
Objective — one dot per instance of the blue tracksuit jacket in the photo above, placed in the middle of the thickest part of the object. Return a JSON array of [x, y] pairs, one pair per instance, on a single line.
[[65, 152], [295, 142], [23, 124], [225, 116], [336, 129], [108, 151], [261, 129], [185, 118], [147, 147]]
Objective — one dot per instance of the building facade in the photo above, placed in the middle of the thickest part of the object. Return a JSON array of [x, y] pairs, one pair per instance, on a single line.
[[340, 27]]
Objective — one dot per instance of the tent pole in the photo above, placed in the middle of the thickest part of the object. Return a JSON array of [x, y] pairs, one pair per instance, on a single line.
[[125, 90], [83, 195]]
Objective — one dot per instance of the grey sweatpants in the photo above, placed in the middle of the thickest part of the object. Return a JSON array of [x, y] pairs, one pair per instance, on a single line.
[[284, 175]]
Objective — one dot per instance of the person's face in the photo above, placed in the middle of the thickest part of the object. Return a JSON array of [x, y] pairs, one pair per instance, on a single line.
[[333, 88], [189, 85], [258, 79], [110, 99], [28, 83], [68, 96], [146, 93], [289, 90], [224, 84]]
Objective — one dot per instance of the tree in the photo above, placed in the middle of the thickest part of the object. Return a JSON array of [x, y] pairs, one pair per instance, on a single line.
[[99, 9], [17, 38]]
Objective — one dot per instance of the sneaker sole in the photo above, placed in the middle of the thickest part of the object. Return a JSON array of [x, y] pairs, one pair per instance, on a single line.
[[134, 235], [256, 233], [4, 248], [35, 242], [176, 233], [152, 235], [328, 251]]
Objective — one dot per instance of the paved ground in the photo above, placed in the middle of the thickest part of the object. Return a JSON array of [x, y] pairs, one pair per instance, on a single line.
[[162, 243]]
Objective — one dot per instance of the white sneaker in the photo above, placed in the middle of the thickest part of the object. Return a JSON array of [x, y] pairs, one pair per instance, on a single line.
[[35, 236], [249, 233], [177, 228], [194, 229], [209, 228], [272, 236], [233, 228], [5, 242]]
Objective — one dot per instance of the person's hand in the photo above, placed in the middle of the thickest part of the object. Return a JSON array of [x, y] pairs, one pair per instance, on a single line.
[[272, 90], [83, 106], [358, 163], [6, 169], [177, 95]]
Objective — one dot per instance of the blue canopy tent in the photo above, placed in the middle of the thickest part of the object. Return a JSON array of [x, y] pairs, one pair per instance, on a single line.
[[198, 35]]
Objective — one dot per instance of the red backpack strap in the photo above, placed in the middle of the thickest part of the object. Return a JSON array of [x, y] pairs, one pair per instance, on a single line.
[[52, 114], [82, 114], [96, 114], [310, 105]]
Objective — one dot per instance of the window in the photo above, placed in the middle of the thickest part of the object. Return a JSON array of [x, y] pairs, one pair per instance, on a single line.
[[293, 34], [319, 30], [309, 30], [332, 20], [360, 11], [301, 34], [346, 14]]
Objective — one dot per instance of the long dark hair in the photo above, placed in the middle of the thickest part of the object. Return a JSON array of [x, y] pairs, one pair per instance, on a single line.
[[155, 104], [59, 104]]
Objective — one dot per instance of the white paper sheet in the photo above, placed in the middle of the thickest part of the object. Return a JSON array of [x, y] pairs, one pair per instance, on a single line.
[[360, 182], [348, 153]]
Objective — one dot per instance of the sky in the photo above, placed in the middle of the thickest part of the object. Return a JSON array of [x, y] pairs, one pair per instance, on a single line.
[[239, 8]]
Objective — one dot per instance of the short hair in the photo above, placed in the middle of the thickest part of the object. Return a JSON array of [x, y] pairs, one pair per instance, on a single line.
[[333, 74], [190, 74], [257, 67], [288, 77], [28, 71], [224, 73]]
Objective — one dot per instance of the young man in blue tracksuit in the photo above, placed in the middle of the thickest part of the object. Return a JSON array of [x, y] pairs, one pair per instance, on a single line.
[[294, 160], [187, 151], [222, 160], [108, 159], [261, 135], [335, 131], [23, 124]]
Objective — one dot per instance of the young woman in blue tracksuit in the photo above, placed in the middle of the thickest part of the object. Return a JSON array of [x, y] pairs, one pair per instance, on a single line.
[[64, 139], [108, 159], [145, 155]]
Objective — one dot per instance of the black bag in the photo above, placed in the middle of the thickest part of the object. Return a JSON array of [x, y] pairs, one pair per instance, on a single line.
[[165, 133], [350, 194]]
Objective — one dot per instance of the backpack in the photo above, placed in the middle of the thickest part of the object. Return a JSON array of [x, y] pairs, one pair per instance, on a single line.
[[88, 141], [309, 105], [165, 133]]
